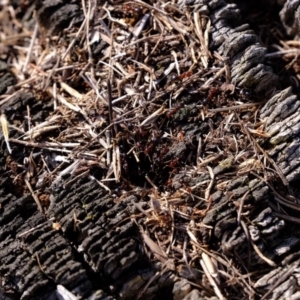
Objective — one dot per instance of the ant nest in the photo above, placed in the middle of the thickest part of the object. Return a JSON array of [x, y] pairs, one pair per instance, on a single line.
[[149, 101]]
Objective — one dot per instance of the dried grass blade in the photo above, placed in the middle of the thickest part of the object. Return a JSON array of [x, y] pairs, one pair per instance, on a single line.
[[71, 91], [241, 106], [164, 21], [71, 169], [211, 267], [153, 116], [100, 183], [34, 196], [4, 125], [263, 257], [259, 133], [199, 33], [210, 278], [208, 190], [138, 30], [211, 80], [64, 101], [116, 162], [38, 132], [75, 38], [157, 251], [63, 293], [35, 31], [123, 24]]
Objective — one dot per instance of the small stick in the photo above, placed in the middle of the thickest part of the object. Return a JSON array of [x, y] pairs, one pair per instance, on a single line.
[[110, 109], [208, 160], [151, 182], [136, 156], [153, 116], [241, 207], [28, 116], [137, 31], [34, 228], [199, 149], [36, 199], [176, 62], [54, 95], [208, 190], [75, 38], [88, 15], [108, 156], [100, 183], [71, 91], [211, 80], [116, 163], [241, 106], [199, 33], [210, 278], [28, 56]]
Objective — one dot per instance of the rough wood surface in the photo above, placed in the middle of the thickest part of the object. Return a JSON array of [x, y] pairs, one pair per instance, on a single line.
[[289, 15]]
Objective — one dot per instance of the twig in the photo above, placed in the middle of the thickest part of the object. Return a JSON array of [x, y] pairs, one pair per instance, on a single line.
[[28, 56], [35, 197]]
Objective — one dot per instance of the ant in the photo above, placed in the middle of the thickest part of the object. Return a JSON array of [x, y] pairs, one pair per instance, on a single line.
[[211, 93], [149, 148], [163, 152], [174, 162], [131, 9], [185, 75], [173, 111], [150, 145], [132, 13]]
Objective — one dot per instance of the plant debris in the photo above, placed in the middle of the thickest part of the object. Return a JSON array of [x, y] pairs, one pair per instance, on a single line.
[[136, 101]]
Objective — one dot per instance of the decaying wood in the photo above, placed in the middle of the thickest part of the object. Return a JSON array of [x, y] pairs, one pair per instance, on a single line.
[[134, 160]]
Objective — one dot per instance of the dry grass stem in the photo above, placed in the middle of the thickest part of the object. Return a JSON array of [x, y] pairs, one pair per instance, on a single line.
[[211, 274], [34, 196], [5, 131]]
